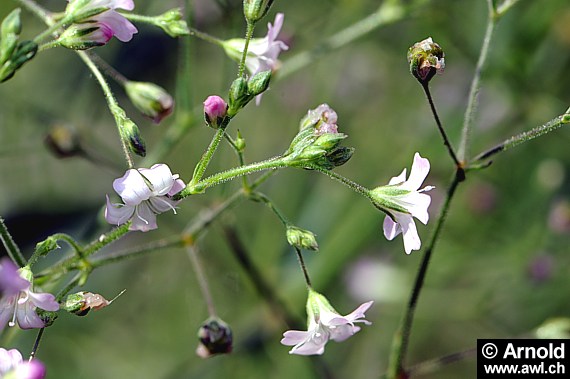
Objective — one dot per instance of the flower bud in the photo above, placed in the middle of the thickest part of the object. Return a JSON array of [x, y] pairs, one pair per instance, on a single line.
[[151, 100], [78, 10], [239, 96], [63, 142], [215, 338], [81, 303], [426, 58], [130, 133], [44, 247], [23, 52], [259, 83], [215, 110], [172, 23], [254, 10], [302, 239], [85, 36], [9, 33], [240, 142]]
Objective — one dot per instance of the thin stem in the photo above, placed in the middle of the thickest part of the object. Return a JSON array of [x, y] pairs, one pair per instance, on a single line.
[[58, 237], [258, 196], [472, 103], [206, 37], [446, 142], [106, 239], [39, 11], [248, 36], [36, 344], [402, 336], [303, 267], [136, 252], [436, 364], [71, 285], [13, 250], [48, 45], [524, 137], [240, 156], [208, 154], [201, 277], [230, 174], [108, 69], [111, 102], [262, 287], [52, 28], [347, 182]]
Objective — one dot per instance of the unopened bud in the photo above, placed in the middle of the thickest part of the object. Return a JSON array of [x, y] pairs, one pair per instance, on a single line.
[[215, 338], [172, 23], [340, 156], [78, 10], [151, 100], [63, 142], [238, 96], [240, 142], [215, 110], [426, 58], [44, 247], [85, 36], [9, 34], [254, 10], [302, 239], [259, 83], [23, 52], [130, 132]]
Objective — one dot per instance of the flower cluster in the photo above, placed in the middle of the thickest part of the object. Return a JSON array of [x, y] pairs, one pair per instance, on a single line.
[[145, 193]]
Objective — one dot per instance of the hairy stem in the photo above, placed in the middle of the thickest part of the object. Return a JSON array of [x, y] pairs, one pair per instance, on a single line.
[[13, 250]]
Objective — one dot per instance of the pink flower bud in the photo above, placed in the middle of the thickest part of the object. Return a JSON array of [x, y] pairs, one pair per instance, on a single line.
[[215, 109]]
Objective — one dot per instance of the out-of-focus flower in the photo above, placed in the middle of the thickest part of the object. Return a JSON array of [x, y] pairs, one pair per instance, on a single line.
[[215, 109], [95, 23], [151, 100], [215, 338], [426, 58], [402, 200], [145, 193], [19, 301], [262, 53], [324, 324], [13, 366]]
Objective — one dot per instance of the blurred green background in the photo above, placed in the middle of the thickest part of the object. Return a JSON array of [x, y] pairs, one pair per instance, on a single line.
[[500, 269]]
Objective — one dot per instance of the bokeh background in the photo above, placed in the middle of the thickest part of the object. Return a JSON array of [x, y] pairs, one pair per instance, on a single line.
[[500, 269]]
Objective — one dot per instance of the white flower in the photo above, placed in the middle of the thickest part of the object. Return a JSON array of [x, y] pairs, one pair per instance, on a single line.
[[12, 365], [402, 200], [324, 324], [262, 53], [145, 193], [19, 302]]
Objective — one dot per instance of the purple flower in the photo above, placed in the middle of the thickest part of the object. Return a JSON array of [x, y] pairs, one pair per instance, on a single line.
[[145, 193], [402, 200], [96, 22], [19, 302], [12, 365], [325, 324]]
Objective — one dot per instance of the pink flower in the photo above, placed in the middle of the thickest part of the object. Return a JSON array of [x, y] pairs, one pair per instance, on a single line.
[[96, 22], [19, 302], [145, 193], [402, 200], [325, 324], [12, 365]]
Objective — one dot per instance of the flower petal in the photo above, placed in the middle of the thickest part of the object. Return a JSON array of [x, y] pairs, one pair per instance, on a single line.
[[418, 173], [160, 177], [358, 313], [410, 233], [118, 214], [9, 359], [398, 179], [43, 300], [176, 187], [161, 204], [122, 28], [391, 228], [144, 218], [343, 332], [132, 188], [11, 282], [27, 317], [417, 204], [293, 337], [33, 369], [7, 309]]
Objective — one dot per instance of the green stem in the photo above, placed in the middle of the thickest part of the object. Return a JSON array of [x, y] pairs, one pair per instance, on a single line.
[[475, 85], [106, 239], [52, 28], [303, 267], [40, 12], [201, 278], [240, 156], [58, 237], [48, 45], [111, 102], [13, 250], [138, 251], [402, 336], [389, 12], [248, 36], [37, 343], [524, 137], [347, 182], [108, 69], [504, 7], [199, 187], [208, 154], [206, 37], [261, 197]]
